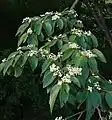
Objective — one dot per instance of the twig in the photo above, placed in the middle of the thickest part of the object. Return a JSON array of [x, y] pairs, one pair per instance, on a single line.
[[74, 4], [99, 113], [80, 116], [75, 115]]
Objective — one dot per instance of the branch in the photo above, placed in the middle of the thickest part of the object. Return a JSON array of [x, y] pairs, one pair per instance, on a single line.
[[74, 4], [99, 113]]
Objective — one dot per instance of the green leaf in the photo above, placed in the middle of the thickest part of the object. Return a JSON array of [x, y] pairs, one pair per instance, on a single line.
[[16, 59], [46, 65], [7, 65], [60, 24], [48, 28], [41, 37], [48, 79], [64, 48], [33, 62], [18, 71], [64, 94], [67, 54], [72, 38], [52, 43], [38, 28], [12, 55], [94, 41], [107, 86], [94, 100], [1, 66], [60, 44], [22, 39], [82, 42], [76, 81], [53, 95], [93, 64], [99, 55], [108, 98], [22, 28]]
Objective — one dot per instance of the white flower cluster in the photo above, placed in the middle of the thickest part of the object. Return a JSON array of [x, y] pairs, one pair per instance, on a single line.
[[110, 115], [110, 81], [19, 48], [43, 52], [54, 57], [32, 52], [4, 60], [74, 70], [79, 21], [56, 16], [97, 85], [27, 19], [73, 45], [56, 70], [87, 33], [62, 35], [30, 45], [29, 31], [73, 12], [77, 32], [66, 79], [59, 118], [90, 89], [88, 53]]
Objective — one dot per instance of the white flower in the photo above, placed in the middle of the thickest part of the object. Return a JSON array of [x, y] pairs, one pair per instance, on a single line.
[[42, 15], [88, 53], [52, 56], [89, 80], [35, 18], [89, 89], [30, 46], [29, 31], [59, 118], [32, 52], [60, 54], [60, 82], [76, 31], [55, 38], [96, 76], [73, 45], [79, 21], [54, 68], [88, 33], [27, 19], [4, 60], [110, 115], [19, 48], [49, 13], [66, 79], [110, 81], [71, 11], [55, 17]]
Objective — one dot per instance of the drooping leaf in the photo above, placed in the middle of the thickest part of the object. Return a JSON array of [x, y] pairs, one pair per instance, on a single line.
[[38, 28], [94, 100], [48, 27], [7, 65], [67, 54], [1, 66], [22, 39], [18, 71], [22, 28], [108, 98], [53, 95], [94, 41], [93, 64], [33, 62], [16, 59], [60, 24], [48, 79], [12, 55], [64, 94], [75, 81], [99, 55], [46, 65]]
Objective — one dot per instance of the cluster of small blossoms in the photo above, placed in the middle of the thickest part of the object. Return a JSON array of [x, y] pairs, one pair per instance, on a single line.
[[73, 12], [55, 70], [90, 89], [88, 53], [66, 79], [29, 31], [30, 45], [56, 16], [79, 21], [73, 45], [54, 57], [74, 70], [43, 52], [110, 81], [32, 52], [97, 85], [4, 60], [87, 33], [27, 19], [77, 32], [62, 35], [59, 118], [110, 115]]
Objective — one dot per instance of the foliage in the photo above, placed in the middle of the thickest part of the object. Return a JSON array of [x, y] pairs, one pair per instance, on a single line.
[[65, 58]]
